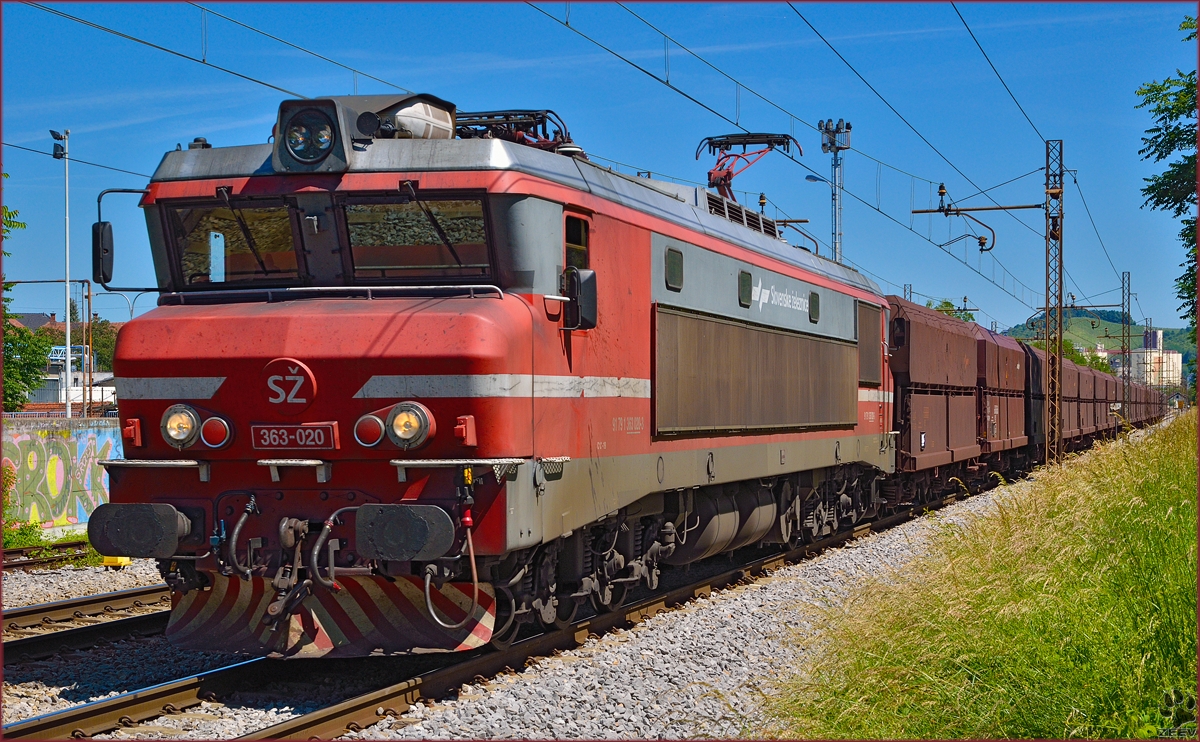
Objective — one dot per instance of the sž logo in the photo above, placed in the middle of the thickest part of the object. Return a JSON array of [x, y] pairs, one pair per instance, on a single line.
[[761, 295], [289, 385]]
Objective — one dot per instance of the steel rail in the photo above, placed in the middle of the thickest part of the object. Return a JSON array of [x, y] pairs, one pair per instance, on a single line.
[[128, 709], [83, 637], [66, 637], [361, 711], [89, 605], [18, 558]]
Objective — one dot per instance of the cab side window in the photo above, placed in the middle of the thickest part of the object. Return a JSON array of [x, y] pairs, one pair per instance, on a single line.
[[577, 242]]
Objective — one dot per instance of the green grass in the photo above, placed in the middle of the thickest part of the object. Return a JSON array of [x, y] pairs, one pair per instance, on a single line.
[[1068, 612]]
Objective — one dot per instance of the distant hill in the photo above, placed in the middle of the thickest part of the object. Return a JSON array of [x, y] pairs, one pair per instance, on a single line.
[[1085, 330]]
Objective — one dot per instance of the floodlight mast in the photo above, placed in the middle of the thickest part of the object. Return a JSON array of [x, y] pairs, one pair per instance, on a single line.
[[834, 139]]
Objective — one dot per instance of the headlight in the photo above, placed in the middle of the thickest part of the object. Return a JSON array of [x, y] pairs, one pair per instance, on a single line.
[[410, 424], [180, 426], [309, 135]]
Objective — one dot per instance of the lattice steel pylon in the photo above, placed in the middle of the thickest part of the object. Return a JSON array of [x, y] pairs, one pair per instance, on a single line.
[[1054, 296], [1126, 358]]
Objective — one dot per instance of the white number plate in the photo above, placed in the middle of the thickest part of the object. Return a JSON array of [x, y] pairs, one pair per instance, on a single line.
[[306, 435]]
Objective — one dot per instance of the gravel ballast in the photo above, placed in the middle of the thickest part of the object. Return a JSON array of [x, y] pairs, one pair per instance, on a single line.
[[27, 587], [74, 678], [699, 671]]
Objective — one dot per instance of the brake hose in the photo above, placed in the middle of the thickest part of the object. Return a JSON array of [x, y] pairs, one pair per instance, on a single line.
[[251, 506], [429, 572], [316, 551]]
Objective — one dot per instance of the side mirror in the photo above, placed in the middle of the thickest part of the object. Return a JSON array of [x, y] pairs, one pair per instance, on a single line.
[[102, 252], [580, 312]]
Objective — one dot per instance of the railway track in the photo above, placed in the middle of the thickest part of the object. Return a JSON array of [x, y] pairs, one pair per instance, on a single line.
[[360, 711], [47, 555], [41, 630]]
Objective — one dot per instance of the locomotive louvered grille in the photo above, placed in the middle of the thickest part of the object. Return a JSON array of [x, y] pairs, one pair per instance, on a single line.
[[737, 214], [714, 374], [726, 209], [716, 205]]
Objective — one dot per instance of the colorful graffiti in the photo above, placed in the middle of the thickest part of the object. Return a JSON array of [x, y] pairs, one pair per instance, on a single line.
[[59, 480]]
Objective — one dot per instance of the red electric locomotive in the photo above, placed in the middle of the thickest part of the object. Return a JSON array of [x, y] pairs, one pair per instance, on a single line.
[[420, 377]]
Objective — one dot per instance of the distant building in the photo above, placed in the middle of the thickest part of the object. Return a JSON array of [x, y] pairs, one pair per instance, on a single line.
[[1151, 364], [34, 321]]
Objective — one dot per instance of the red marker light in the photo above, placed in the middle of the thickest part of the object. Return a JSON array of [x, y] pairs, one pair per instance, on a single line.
[[215, 432], [368, 431]]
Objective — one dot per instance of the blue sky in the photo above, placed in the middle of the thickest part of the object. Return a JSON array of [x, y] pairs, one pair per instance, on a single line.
[[1074, 68]]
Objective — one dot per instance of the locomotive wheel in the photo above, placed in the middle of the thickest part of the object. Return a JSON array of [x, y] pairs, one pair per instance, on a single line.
[[615, 599], [504, 615], [568, 608]]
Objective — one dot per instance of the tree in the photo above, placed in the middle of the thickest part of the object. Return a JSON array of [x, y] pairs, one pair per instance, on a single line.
[[24, 351], [1172, 102], [947, 307], [1076, 356]]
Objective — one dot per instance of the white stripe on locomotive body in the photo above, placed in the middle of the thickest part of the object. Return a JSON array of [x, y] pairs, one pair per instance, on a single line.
[[168, 387], [874, 395], [502, 385]]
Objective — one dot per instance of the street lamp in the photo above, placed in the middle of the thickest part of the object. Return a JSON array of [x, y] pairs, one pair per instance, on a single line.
[[62, 152], [130, 304]]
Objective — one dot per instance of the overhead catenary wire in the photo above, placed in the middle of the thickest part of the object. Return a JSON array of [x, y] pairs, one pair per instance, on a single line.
[[1039, 135], [998, 75], [742, 86], [297, 47], [899, 115], [1016, 281], [998, 185], [879, 95], [1096, 229], [160, 48], [76, 160]]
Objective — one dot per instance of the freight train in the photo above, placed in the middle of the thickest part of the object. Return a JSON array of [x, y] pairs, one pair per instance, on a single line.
[[418, 378]]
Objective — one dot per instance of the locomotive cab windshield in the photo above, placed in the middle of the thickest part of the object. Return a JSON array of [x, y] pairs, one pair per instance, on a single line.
[[266, 241]]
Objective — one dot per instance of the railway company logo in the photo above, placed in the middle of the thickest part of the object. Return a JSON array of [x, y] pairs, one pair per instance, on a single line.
[[785, 298], [289, 386]]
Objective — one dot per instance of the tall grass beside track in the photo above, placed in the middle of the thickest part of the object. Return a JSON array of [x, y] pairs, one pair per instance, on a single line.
[[1068, 611]]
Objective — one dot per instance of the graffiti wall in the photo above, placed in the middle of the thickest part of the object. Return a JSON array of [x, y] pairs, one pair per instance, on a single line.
[[59, 479]]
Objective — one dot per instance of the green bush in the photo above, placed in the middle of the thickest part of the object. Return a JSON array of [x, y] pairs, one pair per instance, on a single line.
[[1069, 611]]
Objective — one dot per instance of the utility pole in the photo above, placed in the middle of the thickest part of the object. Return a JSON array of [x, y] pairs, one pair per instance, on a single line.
[[1054, 296], [834, 139], [1126, 358], [62, 152], [908, 292]]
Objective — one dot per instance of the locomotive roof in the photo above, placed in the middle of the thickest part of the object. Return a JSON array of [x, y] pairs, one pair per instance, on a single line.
[[686, 206]]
